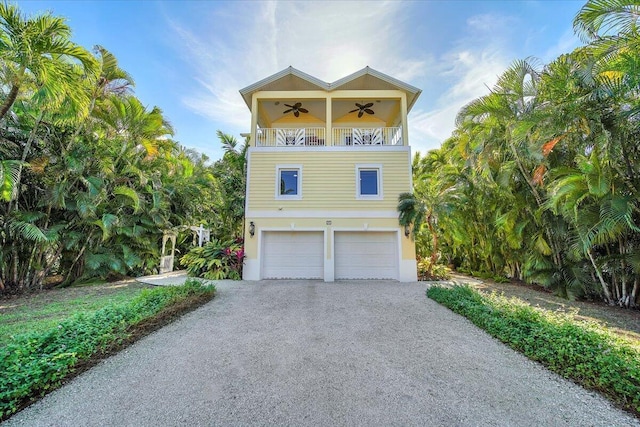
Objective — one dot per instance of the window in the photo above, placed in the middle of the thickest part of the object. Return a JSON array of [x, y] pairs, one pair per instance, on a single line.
[[288, 182], [368, 182]]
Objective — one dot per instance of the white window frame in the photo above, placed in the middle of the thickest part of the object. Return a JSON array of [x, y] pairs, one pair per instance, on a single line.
[[369, 166], [280, 168]]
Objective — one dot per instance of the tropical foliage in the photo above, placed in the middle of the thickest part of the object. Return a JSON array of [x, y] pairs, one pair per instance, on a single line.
[[89, 176], [540, 180], [216, 260]]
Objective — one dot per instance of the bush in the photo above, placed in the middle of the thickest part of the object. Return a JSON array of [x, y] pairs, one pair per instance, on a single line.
[[585, 352], [427, 271], [216, 260], [34, 364]]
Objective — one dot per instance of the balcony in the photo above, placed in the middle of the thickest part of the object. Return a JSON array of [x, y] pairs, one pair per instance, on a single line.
[[279, 137], [341, 137]]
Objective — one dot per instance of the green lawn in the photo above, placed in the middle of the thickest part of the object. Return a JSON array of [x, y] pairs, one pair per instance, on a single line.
[[40, 312]]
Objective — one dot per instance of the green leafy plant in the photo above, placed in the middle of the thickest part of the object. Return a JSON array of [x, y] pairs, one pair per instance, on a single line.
[[429, 271], [216, 260], [36, 363], [585, 352]]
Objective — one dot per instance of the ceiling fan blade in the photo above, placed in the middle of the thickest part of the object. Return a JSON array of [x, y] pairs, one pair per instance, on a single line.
[[368, 111], [297, 105], [360, 114], [303, 110], [368, 105], [353, 111], [287, 111], [290, 106], [359, 105], [296, 113]]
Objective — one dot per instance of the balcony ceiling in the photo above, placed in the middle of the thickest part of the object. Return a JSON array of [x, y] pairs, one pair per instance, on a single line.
[[273, 110]]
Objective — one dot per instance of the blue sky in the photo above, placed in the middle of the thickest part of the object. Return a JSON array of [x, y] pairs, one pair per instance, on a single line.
[[190, 58]]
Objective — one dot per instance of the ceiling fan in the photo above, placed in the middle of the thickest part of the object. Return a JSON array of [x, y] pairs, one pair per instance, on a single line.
[[296, 108], [366, 108]]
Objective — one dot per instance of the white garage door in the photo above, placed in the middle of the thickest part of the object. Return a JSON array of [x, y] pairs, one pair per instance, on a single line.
[[366, 255], [293, 255]]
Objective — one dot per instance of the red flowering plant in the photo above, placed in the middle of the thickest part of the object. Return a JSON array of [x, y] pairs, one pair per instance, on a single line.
[[216, 260]]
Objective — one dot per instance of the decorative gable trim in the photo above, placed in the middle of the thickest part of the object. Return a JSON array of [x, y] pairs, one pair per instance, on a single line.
[[249, 90], [412, 92]]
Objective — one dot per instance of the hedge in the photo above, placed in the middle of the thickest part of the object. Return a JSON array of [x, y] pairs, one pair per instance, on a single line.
[[35, 363], [585, 352]]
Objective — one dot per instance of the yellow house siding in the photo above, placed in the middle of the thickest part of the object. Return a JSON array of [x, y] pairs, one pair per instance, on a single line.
[[354, 224], [328, 179]]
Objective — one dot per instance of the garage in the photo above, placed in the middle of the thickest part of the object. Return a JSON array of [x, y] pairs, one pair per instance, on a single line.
[[366, 255], [292, 255]]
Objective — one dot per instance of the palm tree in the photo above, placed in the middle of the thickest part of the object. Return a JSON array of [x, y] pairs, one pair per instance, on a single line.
[[230, 178], [38, 51], [9, 176], [612, 19], [432, 198]]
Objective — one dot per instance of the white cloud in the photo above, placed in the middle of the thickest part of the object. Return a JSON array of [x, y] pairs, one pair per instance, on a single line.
[[472, 75], [330, 40], [468, 70], [490, 22], [326, 40]]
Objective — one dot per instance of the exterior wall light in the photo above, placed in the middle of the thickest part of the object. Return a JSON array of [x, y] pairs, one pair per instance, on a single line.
[[407, 231], [252, 229]]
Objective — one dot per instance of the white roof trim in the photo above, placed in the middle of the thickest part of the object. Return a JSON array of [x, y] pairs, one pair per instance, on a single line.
[[414, 91], [384, 77], [290, 70]]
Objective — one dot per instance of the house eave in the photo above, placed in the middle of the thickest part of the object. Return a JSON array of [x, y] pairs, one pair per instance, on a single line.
[[412, 92], [248, 91]]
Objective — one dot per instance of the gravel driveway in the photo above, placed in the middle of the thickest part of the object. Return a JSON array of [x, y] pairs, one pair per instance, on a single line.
[[313, 353]]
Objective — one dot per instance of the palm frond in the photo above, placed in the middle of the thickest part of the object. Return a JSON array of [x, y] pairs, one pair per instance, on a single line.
[[130, 194]]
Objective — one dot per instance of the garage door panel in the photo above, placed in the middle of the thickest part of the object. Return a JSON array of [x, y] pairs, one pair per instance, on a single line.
[[293, 255], [366, 255]]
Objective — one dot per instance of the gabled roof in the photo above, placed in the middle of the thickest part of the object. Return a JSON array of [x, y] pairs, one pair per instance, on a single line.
[[295, 80], [368, 77]]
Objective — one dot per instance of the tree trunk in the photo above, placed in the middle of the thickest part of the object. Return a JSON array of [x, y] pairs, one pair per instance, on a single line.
[[77, 258], [434, 243], [605, 287], [11, 98], [14, 252], [623, 275], [25, 152]]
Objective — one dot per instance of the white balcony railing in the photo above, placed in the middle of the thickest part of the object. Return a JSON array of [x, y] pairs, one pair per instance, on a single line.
[[367, 136], [315, 137], [281, 137]]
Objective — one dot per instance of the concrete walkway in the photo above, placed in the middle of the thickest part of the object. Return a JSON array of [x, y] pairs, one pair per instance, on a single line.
[[166, 279], [312, 353]]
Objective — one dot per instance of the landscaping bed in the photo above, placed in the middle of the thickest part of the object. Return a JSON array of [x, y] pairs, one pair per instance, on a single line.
[[622, 321], [37, 362], [584, 351]]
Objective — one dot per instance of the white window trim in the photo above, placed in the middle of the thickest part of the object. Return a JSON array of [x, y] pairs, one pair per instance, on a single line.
[[369, 166], [286, 196]]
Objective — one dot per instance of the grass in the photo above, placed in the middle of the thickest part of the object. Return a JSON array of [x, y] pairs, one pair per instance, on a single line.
[[38, 361], [586, 352], [42, 311], [624, 322]]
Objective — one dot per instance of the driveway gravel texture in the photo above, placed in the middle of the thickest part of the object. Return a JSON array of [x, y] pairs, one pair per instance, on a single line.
[[353, 353]]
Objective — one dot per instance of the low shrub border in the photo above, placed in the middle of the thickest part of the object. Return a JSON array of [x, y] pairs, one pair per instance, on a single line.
[[585, 352], [35, 364]]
